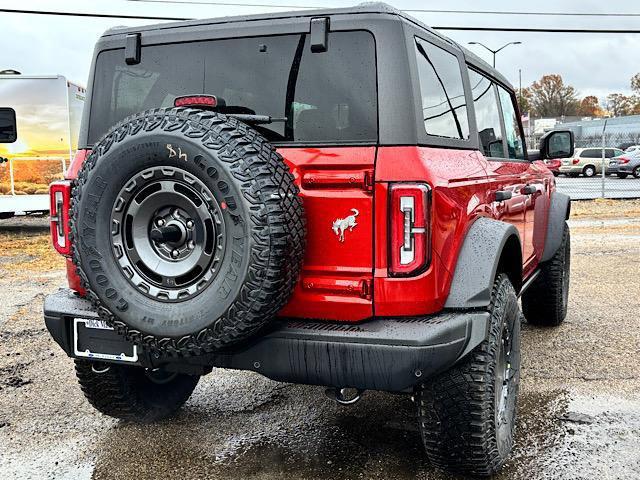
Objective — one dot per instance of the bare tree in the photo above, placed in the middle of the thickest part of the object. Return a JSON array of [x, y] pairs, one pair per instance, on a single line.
[[619, 104], [550, 97]]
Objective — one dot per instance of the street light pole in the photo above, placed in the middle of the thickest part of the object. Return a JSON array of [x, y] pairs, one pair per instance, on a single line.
[[495, 51]]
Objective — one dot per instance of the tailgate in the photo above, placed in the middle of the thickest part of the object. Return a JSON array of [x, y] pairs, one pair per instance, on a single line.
[[336, 185]]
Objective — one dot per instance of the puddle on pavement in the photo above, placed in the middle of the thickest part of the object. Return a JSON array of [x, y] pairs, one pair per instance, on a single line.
[[560, 435]]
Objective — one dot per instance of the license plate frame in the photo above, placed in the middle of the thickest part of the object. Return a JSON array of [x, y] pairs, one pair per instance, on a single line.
[[88, 331]]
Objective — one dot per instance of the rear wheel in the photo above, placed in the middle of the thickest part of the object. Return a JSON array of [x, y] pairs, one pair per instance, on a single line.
[[545, 302], [132, 393], [636, 172], [589, 171], [622, 175], [467, 414]]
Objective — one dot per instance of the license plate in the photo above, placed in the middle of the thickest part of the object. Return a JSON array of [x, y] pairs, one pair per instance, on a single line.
[[565, 162], [93, 338]]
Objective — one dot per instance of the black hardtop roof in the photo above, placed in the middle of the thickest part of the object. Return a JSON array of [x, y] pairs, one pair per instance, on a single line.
[[379, 8]]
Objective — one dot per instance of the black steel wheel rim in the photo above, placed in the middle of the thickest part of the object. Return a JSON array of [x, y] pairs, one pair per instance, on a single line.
[[167, 233], [504, 382]]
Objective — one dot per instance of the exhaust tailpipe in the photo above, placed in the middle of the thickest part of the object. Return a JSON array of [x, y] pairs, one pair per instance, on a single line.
[[344, 396]]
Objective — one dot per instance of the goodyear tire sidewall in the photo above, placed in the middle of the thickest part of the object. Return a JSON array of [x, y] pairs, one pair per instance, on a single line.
[[95, 250]]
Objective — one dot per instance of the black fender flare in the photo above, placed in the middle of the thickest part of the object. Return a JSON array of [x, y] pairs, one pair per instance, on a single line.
[[478, 263], [559, 211]]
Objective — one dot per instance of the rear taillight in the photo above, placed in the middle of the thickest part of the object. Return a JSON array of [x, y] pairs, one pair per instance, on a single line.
[[622, 161], [60, 197], [575, 161], [410, 207]]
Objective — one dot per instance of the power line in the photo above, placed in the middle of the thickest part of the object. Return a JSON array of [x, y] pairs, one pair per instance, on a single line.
[[451, 28], [412, 10], [92, 15], [231, 4]]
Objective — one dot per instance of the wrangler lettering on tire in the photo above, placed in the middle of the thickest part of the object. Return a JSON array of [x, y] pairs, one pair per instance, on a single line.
[[189, 230]]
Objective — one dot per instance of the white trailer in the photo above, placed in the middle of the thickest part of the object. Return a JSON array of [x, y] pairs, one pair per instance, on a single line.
[[39, 124]]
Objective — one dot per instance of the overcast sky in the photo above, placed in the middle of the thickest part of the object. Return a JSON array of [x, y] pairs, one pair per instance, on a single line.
[[596, 64]]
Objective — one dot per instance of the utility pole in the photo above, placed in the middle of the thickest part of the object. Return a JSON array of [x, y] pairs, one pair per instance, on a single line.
[[520, 86]]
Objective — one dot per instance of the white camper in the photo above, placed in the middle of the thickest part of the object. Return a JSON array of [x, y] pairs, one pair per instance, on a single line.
[[39, 124]]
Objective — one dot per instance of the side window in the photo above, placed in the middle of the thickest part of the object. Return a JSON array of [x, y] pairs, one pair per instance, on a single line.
[[444, 107], [487, 115], [591, 153], [512, 134]]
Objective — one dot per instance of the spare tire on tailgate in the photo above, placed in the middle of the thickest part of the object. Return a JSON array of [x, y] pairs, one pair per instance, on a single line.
[[188, 231]]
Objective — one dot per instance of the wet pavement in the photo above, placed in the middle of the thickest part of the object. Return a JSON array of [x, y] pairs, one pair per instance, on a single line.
[[579, 409]]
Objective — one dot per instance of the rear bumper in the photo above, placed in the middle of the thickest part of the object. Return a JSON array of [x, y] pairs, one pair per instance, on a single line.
[[391, 354]]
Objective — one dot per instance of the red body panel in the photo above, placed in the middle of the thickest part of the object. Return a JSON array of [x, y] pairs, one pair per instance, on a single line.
[[336, 281], [527, 212], [348, 280], [459, 191]]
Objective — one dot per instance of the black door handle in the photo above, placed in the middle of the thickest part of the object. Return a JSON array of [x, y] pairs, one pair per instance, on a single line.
[[529, 190], [502, 195]]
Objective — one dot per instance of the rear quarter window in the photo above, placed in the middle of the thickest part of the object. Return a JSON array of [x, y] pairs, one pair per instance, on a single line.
[[327, 97], [444, 108]]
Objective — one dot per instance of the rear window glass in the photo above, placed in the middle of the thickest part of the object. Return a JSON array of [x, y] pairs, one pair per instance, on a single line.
[[327, 97]]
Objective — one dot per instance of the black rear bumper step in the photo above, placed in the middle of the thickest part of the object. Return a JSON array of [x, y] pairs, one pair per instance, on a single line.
[[391, 354]]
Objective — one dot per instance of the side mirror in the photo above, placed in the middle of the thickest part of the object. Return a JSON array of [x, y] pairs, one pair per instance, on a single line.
[[557, 144], [8, 130]]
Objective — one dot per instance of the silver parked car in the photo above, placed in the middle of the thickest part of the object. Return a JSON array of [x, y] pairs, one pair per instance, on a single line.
[[626, 164]]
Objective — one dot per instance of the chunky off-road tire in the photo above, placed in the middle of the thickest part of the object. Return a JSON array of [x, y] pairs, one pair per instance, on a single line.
[[188, 231], [133, 393], [546, 300], [467, 414]]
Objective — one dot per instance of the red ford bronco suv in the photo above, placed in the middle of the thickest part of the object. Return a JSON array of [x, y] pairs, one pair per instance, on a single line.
[[340, 198]]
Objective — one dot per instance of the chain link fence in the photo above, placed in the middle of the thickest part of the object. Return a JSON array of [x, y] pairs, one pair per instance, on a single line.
[[582, 177]]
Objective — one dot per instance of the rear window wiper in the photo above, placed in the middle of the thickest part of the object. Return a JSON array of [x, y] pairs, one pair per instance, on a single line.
[[256, 119], [218, 104]]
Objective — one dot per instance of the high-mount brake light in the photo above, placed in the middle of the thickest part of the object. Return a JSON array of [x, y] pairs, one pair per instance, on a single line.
[[207, 101], [410, 206], [60, 198]]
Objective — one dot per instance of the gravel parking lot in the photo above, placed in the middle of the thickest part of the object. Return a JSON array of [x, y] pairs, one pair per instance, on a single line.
[[579, 410]]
